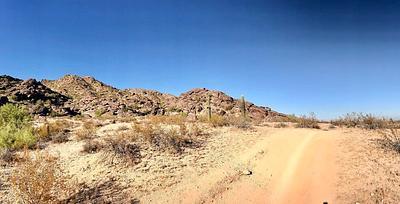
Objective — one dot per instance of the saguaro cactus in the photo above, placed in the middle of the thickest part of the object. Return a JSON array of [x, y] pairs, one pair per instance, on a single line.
[[243, 106], [209, 107], [197, 99]]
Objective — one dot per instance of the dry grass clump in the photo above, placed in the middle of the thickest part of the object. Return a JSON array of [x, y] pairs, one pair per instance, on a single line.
[[172, 137], [174, 140], [146, 130], [167, 119], [61, 137], [127, 119], [218, 121], [39, 179], [221, 121], [87, 130], [239, 122], [196, 131], [391, 139], [56, 131], [280, 125], [92, 146], [310, 121]]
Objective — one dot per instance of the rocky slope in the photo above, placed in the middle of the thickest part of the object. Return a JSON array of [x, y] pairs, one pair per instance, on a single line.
[[93, 97], [37, 97], [195, 101], [89, 96]]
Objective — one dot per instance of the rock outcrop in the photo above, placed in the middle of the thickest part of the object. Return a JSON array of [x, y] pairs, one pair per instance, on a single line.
[[39, 99], [195, 101], [93, 97]]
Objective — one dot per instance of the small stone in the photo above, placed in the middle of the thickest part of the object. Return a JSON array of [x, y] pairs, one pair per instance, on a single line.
[[247, 172]]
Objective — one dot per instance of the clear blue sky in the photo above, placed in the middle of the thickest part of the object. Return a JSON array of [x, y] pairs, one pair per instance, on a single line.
[[330, 57]]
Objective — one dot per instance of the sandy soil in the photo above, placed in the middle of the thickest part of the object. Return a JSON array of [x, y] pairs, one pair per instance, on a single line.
[[286, 165], [261, 165], [297, 166]]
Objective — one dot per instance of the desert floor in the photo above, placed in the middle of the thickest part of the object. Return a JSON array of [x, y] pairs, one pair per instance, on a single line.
[[258, 165]]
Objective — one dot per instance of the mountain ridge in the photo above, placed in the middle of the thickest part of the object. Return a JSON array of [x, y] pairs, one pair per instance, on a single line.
[[73, 94]]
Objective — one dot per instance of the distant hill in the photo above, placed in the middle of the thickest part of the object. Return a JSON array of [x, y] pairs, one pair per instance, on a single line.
[[73, 94]]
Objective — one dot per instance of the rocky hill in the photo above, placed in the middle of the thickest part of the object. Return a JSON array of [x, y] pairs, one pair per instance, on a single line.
[[93, 97], [195, 100], [39, 99], [86, 95]]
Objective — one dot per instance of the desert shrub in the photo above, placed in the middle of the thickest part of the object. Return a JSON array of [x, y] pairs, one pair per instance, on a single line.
[[288, 118], [91, 124], [122, 128], [42, 132], [167, 119], [14, 116], [195, 131], [173, 137], [99, 112], [83, 134], [310, 121], [218, 121], [221, 121], [12, 138], [371, 122], [87, 130], [292, 118], [60, 137], [349, 120], [183, 130], [15, 127], [120, 147], [391, 139], [7, 155], [146, 130], [258, 122], [280, 125], [239, 122], [56, 131], [92, 146], [126, 119], [39, 179], [361, 120], [172, 140]]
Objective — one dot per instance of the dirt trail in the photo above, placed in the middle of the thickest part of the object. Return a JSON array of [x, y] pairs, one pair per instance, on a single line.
[[288, 166], [300, 167]]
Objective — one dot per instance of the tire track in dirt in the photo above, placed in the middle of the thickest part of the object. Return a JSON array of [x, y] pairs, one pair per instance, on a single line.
[[300, 168], [287, 166]]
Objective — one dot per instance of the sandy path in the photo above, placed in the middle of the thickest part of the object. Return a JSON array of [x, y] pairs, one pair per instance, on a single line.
[[300, 167], [288, 166]]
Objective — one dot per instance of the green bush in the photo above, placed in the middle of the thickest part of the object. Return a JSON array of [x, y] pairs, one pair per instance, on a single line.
[[14, 116], [15, 127]]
